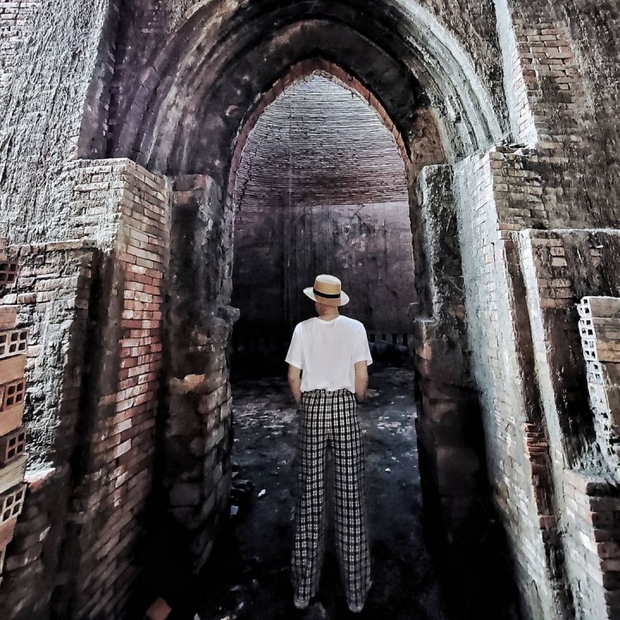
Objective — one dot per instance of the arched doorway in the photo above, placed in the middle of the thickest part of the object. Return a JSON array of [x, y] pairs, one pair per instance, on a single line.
[[187, 120], [432, 101], [321, 187]]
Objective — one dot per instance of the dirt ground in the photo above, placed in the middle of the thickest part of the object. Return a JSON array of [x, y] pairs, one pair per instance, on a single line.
[[249, 578]]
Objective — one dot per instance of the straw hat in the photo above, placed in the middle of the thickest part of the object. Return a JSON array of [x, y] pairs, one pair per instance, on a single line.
[[326, 290]]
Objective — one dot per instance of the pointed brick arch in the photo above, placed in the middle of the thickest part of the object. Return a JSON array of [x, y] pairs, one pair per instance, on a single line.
[[194, 95], [296, 73]]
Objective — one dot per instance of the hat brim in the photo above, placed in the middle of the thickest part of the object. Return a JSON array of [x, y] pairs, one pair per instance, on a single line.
[[342, 301]]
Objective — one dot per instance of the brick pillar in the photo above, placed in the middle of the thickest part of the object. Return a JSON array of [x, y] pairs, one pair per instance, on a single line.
[[449, 422], [198, 429], [113, 461], [94, 313]]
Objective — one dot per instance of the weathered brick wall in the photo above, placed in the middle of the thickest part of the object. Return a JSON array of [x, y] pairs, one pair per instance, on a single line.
[[16, 18], [591, 512], [41, 114], [517, 450], [561, 267], [96, 312], [551, 414], [52, 294], [567, 55]]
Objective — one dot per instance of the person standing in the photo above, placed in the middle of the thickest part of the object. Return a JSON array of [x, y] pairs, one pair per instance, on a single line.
[[328, 362]]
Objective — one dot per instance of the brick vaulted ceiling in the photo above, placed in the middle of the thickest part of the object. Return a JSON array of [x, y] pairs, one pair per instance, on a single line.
[[178, 105], [321, 144]]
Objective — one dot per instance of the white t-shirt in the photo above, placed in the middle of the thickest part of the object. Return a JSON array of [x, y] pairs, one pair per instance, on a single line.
[[326, 352]]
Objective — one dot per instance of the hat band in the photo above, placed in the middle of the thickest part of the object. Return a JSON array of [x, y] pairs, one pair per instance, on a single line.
[[325, 295]]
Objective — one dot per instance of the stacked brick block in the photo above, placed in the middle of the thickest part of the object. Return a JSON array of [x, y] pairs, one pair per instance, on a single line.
[[599, 328], [13, 344]]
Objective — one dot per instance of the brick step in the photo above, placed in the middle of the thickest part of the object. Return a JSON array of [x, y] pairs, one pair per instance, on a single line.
[[12, 368], [11, 418]]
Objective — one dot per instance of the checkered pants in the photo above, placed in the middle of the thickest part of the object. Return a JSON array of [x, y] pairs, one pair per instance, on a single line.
[[329, 419]]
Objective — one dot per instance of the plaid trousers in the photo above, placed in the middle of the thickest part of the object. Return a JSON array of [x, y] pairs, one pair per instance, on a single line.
[[329, 419]]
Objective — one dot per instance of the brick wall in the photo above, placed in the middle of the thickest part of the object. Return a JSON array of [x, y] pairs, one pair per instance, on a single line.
[[96, 313], [15, 28], [517, 445], [52, 297], [566, 55], [41, 116], [321, 188], [561, 267]]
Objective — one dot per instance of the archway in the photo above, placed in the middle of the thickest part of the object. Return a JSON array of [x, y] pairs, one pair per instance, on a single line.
[[321, 187], [188, 117]]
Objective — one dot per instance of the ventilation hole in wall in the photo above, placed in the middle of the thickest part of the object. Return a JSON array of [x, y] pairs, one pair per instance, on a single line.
[[13, 342], [13, 394], [11, 503], [8, 273], [14, 446]]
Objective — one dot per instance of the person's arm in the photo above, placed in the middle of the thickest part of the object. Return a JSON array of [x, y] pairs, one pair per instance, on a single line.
[[361, 380], [294, 382]]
